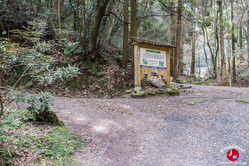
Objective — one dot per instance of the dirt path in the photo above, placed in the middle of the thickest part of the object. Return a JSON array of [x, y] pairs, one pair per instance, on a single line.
[[195, 128]]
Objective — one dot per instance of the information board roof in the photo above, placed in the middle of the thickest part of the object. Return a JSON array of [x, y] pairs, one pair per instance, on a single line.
[[136, 40]]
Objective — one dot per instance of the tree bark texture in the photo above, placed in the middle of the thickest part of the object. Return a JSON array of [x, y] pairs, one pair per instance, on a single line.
[[172, 40], [134, 29], [233, 45], [222, 53], [193, 49], [247, 32], [178, 40], [96, 27], [59, 17], [125, 34], [1, 28]]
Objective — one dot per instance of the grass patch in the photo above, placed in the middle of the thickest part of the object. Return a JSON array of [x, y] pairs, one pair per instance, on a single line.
[[195, 101], [28, 143], [180, 80], [243, 101]]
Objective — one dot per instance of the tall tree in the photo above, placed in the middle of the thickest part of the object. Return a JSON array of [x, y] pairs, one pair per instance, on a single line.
[[222, 53], [59, 17], [134, 28], [74, 16], [172, 38], [83, 23], [248, 32], [229, 58], [126, 33], [193, 46], [178, 39], [79, 24], [102, 5], [233, 45]]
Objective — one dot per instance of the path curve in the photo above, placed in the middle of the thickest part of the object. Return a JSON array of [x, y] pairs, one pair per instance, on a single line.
[[196, 128]]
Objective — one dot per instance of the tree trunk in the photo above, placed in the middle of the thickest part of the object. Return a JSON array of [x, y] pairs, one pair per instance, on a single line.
[[59, 17], [79, 25], [178, 39], [1, 28], [126, 34], [229, 62], [222, 54], [1, 104], [205, 35], [241, 40], [96, 27], [193, 49], [181, 61], [247, 32], [74, 16], [172, 40], [134, 29], [83, 23], [233, 45], [216, 57], [111, 18], [199, 60], [1, 99]]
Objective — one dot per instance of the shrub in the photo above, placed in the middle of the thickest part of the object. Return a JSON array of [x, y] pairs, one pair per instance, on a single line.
[[32, 63]]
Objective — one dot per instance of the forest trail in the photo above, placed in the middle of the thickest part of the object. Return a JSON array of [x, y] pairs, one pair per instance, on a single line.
[[195, 128]]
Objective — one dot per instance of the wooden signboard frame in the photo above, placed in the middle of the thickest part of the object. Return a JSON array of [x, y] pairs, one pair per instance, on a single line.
[[140, 71]]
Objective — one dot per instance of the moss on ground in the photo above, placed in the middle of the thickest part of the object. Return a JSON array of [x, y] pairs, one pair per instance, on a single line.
[[243, 101], [171, 91], [49, 116], [195, 101], [126, 96], [152, 91], [35, 143], [139, 93], [181, 80]]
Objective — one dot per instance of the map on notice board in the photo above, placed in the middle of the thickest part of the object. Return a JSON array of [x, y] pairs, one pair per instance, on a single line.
[[152, 58]]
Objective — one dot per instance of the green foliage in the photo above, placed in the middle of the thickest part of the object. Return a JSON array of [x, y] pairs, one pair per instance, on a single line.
[[196, 83], [39, 103], [61, 143], [61, 73], [184, 87], [70, 48], [245, 74], [33, 64], [21, 139]]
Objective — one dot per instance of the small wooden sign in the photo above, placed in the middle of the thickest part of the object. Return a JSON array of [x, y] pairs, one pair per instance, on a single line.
[[151, 58]]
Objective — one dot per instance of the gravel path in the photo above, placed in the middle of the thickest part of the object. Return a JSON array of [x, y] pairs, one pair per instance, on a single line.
[[194, 129]]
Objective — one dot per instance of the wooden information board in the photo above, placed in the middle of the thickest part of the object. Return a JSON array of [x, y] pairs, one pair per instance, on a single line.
[[151, 58]]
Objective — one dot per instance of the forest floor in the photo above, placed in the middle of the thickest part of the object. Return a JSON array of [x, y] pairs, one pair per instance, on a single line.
[[196, 128]]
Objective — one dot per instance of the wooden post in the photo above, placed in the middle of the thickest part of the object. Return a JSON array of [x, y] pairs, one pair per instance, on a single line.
[[137, 66], [167, 78]]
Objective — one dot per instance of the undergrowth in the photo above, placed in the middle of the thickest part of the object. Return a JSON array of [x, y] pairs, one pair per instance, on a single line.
[[27, 143]]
